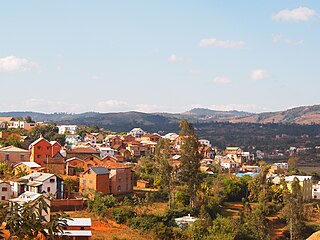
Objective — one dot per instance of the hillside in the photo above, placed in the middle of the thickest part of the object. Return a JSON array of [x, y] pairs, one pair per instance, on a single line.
[[298, 115], [124, 121], [213, 115]]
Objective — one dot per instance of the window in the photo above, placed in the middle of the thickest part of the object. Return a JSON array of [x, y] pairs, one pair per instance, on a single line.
[[21, 157], [48, 148], [84, 182], [4, 189], [38, 156], [90, 181], [7, 157], [3, 197], [119, 188], [48, 189], [52, 180], [39, 147]]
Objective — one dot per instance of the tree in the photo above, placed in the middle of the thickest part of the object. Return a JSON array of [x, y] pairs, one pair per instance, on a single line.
[[293, 210], [5, 170], [13, 140], [146, 170], [260, 188], [293, 163], [100, 203], [28, 119], [46, 131], [26, 221], [166, 172], [190, 160]]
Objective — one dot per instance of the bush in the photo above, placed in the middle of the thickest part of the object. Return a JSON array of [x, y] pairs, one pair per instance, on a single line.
[[144, 223], [100, 203], [121, 215]]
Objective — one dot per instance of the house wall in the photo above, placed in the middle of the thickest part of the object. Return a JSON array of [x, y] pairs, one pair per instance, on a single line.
[[99, 183], [14, 157], [121, 180], [5, 191], [24, 168], [40, 152], [306, 189]]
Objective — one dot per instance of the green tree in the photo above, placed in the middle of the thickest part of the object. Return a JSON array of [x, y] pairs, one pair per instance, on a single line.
[[13, 140], [28, 119], [190, 160], [223, 228], [5, 170], [260, 188], [146, 170], [293, 210], [46, 131], [166, 172], [100, 203], [293, 163], [26, 221]]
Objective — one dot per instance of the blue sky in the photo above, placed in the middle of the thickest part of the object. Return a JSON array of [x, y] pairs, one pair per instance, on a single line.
[[158, 56]]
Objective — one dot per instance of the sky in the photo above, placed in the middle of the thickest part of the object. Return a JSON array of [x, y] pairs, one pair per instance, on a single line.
[[158, 56]]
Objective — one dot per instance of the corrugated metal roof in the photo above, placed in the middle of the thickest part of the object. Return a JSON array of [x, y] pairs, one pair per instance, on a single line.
[[38, 176], [100, 170], [79, 222], [29, 164]]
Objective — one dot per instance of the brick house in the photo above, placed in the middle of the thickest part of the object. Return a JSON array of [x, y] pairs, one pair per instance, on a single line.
[[96, 178], [74, 166], [82, 152], [28, 167], [121, 176], [14, 155], [41, 149], [5, 191]]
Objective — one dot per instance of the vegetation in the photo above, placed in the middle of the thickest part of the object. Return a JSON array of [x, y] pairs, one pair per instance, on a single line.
[[27, 221]]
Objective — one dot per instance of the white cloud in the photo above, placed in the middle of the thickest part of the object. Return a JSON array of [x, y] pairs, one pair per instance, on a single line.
[[95, 77], [174, 58], [111, 104], [194, 72], [281, 39], [221, 80], [258, 74], [212, 42], [300, 14], [14, 64], [48, 106], [146, 108]]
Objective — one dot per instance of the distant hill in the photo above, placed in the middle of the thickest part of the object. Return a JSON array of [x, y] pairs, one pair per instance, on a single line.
[[298, 115], [214, 115], [125, 121]]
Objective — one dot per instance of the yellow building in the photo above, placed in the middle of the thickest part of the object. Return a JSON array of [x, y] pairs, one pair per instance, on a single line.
[[305, 184]]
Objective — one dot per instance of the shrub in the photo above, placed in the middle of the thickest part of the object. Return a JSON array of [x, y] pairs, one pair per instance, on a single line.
[[121, 215], [101, 203]]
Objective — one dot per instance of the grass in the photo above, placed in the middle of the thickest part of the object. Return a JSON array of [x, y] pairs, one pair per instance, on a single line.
[[309, 169]]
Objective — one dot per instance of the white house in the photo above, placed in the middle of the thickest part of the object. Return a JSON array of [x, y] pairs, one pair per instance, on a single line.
[[21, 124], [107, 151], [38, 182], [316, 190], [29, 197], [70, 129], [73, 140], [282, 166], [137, 132], [204, 142]]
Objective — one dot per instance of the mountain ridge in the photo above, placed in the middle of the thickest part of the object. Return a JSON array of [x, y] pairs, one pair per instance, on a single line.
[[126, 120]]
